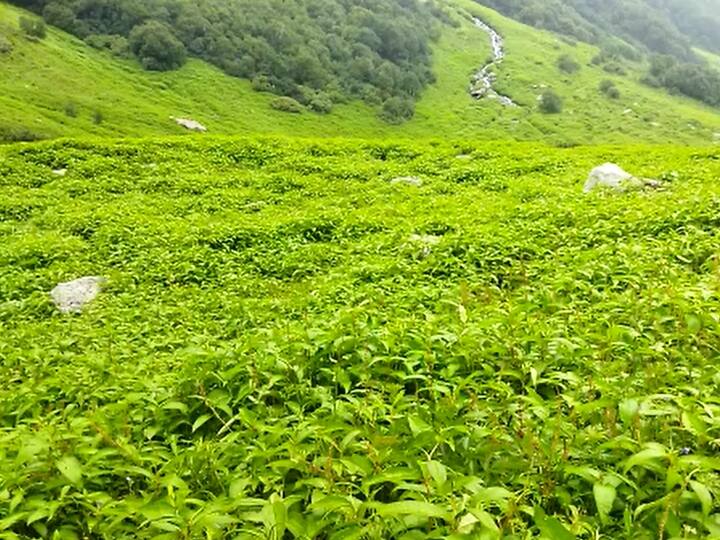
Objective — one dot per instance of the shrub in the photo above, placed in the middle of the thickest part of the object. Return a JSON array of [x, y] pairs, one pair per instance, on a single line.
[[34, 28], [397, 110], [59, 15], [615, 69], [568, 64], [608, 88], [321, 103], [5, 45], [97, 117], [71, 109], [262, 83], [286, 104], [156, 47], [18, 134], [115, 44], [550, 102]]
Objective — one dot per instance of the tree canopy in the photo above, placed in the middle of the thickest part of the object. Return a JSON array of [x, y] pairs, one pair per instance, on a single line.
[[319, 52]]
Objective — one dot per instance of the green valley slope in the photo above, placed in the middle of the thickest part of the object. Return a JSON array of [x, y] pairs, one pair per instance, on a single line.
[[40, 79]]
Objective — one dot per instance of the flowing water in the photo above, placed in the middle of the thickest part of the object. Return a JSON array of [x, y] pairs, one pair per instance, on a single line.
[[483, 80]]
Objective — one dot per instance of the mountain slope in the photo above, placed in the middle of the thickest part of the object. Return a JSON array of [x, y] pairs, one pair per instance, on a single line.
[[40, 79]]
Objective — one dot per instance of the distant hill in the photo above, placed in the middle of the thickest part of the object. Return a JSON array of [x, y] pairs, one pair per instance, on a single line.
[[61, 86]]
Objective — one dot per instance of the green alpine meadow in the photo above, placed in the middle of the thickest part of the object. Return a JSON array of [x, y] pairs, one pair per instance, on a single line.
[[359, 270]]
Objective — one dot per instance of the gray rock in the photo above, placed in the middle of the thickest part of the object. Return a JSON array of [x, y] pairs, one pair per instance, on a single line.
[[71, 297], [408, 180], [60, 172], [611, 176]]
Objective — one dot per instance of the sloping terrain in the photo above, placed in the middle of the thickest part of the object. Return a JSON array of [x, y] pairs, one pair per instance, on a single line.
[[292, 345], [42, 81]]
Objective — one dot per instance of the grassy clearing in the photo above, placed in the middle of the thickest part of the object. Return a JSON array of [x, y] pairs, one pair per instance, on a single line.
[[291, 347], [40, 79]]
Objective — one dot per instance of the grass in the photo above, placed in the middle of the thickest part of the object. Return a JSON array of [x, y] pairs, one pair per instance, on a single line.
[[40, 79], [290, 346]]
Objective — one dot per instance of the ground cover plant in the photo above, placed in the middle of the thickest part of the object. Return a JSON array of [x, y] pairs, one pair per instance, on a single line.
[[291, 346]]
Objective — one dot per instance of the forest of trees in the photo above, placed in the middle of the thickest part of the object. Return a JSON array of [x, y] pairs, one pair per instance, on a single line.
[[665, 30], [318, 52]]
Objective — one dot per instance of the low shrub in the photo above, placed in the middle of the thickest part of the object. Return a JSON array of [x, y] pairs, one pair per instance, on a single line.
[[286, 104]]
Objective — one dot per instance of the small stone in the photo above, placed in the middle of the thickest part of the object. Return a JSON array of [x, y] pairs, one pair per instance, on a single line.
[[60, 172], [72, 296], [190, 124], [408, 180], [685, 451]]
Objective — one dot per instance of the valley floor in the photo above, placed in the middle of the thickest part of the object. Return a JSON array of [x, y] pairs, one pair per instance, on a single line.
[[292, 345]]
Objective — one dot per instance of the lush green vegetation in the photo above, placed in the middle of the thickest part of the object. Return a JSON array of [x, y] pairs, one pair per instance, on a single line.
[[668, 28], [331, 50], [290, 346], [40, 78]]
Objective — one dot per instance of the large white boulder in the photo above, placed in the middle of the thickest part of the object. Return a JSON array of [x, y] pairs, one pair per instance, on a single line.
[[72, 296], [611, 176]]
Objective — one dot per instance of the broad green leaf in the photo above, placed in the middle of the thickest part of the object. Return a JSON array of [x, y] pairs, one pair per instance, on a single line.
[[629, 410], [604, 498], [703, 494], [200, 421], [645, 457], [70, 468], [413, 508], [437, 472], [550, 527]]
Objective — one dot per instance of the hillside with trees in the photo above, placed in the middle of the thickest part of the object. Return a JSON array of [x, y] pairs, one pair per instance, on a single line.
[[667, 31], [317, 52]]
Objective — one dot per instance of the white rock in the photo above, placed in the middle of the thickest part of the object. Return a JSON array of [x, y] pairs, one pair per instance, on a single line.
[[71, 297], [60, 172], [192, 125], [409, 180], [612, 176]]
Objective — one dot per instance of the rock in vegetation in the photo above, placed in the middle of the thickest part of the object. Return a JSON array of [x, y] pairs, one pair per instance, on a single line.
[[60, 172], [72, 296], [192, 125], [613, 176], [408, 180]]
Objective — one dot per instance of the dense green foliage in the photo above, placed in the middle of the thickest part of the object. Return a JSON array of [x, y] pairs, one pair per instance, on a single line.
[[34, 28], [311, 50], [693, 80], [668, 28], [290, 346], [550, 102]]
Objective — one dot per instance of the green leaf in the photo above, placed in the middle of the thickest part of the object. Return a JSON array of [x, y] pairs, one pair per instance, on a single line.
[[629, 410], [550, 527], [703, 494], [645, 457], [411, 508], [604, 499], [437, 472], [200, 421], [70, 468]]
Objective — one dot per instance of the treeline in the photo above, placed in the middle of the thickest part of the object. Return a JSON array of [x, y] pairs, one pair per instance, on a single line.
[[317, 52], [693, 80], [665, 30]]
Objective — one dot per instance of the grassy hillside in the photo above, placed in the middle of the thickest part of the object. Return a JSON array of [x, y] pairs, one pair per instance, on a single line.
[[41, 79], [292, 346]]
